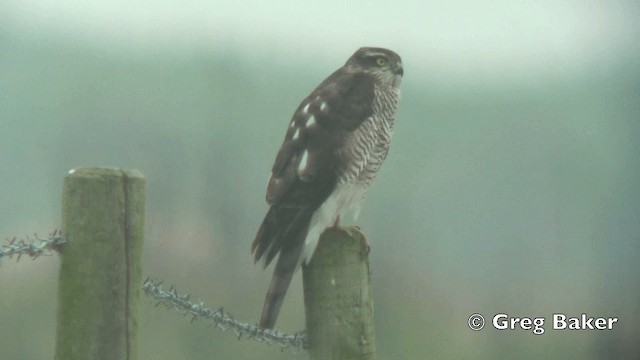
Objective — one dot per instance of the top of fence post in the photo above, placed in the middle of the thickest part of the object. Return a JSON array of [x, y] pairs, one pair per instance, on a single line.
[[337, 296]]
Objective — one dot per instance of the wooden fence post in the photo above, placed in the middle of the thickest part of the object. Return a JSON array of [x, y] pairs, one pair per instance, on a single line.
[[337, 296], [100, 270]]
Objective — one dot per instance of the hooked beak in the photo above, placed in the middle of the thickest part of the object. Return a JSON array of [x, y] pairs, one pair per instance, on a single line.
[[399, 70]]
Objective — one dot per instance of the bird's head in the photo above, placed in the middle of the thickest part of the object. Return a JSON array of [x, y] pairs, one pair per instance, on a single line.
[[385, 65]]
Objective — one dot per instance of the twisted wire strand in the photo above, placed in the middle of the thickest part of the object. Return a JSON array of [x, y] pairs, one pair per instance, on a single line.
[[32, 247], [222, 319]]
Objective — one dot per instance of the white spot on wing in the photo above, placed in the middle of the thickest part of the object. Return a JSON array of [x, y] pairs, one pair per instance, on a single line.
[[323, 106], [310, 122], [293, 123], [303, 162], [296, 134], [306, 108]]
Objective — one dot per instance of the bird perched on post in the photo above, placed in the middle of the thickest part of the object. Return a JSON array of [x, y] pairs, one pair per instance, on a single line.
[[334, 146]]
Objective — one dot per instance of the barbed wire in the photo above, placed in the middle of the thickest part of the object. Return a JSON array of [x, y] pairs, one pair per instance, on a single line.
[[33, 247], [223, 320]]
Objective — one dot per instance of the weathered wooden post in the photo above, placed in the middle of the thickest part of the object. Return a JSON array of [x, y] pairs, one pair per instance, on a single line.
[[100, 270], [337, 296]]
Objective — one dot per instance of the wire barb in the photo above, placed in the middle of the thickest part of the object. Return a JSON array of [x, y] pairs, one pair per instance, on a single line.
[[220, 318], [32, 247]]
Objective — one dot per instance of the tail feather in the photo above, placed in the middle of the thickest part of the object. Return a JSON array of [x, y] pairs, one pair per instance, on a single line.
[[282, 274], [279, 230], [264, 237], [283, 231]]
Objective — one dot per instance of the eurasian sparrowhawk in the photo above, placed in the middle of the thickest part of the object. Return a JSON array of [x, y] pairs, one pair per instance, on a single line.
[[334, 146]]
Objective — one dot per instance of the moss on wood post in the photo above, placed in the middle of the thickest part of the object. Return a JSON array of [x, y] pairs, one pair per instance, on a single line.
[[100, 270], [337, 296]]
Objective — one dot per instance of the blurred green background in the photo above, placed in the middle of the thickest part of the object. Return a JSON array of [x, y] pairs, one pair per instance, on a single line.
[[512, 186]]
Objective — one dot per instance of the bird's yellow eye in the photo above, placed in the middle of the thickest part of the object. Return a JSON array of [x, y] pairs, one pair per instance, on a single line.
[[381, 61]]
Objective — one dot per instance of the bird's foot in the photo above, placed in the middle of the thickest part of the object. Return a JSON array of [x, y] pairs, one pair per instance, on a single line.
[[354, 231]]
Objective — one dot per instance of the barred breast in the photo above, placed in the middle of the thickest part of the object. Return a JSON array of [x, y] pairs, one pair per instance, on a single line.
[[361, 157], [366, 148]]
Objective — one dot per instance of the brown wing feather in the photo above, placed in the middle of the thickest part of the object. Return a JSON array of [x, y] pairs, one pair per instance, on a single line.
[[318, 128], [347, 98]]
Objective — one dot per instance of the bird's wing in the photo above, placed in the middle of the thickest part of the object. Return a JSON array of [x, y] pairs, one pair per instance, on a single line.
[[335, 108], [305, 173], [305, 170]]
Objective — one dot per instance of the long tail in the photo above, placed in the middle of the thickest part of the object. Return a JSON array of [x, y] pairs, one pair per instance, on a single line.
[[282, 232], [282, 274]]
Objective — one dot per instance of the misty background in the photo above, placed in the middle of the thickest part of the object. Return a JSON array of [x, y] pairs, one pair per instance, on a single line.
[[512, 185]]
